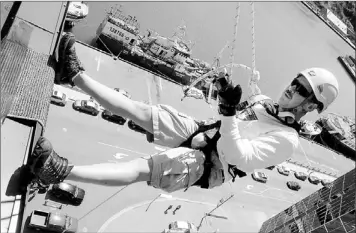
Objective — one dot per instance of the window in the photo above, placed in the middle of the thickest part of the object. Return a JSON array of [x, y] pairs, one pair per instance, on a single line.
[[162, 53]]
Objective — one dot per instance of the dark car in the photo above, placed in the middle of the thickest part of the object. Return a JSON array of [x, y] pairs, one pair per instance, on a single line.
[[314, 180], [260, 177], [68, 192], [132, 125], [86, 106], [293, 185], [301, 176], [58, 98], [109, 116], [283, 170], [270, 167]]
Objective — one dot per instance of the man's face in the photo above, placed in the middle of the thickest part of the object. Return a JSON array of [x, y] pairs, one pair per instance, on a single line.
[[295, 93]]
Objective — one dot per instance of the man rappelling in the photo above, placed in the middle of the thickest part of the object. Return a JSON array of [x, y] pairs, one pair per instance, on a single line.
[[253, 135]]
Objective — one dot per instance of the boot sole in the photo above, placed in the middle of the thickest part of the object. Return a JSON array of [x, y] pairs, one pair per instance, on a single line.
[[33, 159], [61, 54]]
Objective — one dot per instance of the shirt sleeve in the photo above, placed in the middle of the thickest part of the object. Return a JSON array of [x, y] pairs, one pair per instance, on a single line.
[[268, 149]]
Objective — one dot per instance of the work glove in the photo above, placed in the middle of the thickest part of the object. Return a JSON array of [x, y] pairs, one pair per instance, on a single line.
[[229, 95]]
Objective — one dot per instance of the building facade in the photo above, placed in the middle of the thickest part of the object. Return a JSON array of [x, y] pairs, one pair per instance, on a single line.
[[330, 209]]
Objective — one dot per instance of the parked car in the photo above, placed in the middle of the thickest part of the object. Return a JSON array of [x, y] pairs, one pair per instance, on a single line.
[[301, 176], [325, 182], [58, 98], [109, 116], [260, 177], [125, 93], [293, 185], [283, 170], [52, 221], [86, 106], [270, 167], [132, 125], [68, 192], [314, 180], [181, 226]]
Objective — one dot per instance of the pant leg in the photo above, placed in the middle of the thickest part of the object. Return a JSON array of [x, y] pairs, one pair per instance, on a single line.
[[179, 168], [170, 127], [176, 169]]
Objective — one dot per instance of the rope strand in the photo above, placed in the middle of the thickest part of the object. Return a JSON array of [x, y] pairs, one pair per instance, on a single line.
[[253, 37], [232, 55]]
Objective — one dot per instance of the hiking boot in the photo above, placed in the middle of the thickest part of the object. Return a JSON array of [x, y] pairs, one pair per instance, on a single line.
[[68, 65], [47, 165]]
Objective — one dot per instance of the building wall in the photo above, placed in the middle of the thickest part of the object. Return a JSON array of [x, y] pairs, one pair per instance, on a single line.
[[330, 209]]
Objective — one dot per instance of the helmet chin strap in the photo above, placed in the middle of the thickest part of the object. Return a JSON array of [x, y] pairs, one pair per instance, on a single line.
[[289, 113]]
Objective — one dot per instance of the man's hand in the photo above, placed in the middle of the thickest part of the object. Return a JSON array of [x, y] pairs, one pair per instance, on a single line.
[[229, 96]]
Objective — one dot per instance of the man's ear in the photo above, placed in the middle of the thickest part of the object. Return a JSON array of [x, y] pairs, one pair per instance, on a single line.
[[309, 107]]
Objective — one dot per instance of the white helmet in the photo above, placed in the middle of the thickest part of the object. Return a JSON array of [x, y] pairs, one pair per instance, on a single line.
[[324, 84]]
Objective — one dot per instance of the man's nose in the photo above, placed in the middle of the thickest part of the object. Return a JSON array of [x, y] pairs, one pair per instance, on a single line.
[[292, 88]]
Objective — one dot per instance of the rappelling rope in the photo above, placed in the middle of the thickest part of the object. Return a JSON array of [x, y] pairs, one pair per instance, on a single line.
[[100, 204], [112, 54], [254, 78], [232, 54], [253, 37]]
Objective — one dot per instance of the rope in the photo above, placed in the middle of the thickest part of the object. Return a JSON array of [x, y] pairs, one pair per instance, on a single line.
[[102, 203], [232, 55], [106, 47], [254, 89], [253, 37], [207, 214], [206, 75], [232, 64]]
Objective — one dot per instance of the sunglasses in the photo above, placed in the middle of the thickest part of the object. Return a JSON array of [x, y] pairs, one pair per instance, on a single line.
[[305, 93], [300, 88]]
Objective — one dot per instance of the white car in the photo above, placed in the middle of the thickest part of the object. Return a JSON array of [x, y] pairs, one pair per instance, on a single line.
[[86, 106], [260, 176], [58, 98], [283, 170], [181, 226], [77, 11]]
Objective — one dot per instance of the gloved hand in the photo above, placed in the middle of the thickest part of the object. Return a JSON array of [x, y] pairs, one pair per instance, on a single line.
[[229, 95]]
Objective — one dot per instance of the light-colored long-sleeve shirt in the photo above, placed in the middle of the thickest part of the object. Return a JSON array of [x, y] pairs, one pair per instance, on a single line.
[[256, 143]]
